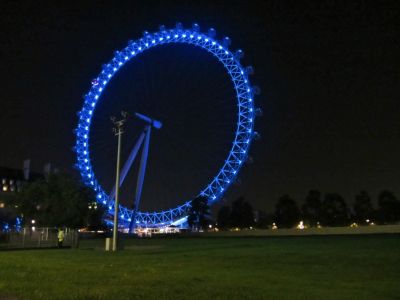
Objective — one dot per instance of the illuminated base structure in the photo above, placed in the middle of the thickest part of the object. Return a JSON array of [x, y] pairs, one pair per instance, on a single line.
[[238, 154]]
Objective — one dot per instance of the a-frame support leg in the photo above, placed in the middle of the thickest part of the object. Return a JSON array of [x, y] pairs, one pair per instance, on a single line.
[[129, 162], [140, 180]]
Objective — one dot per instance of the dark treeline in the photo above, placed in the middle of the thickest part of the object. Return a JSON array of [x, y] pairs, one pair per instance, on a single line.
[[58, 201], [316, 209]]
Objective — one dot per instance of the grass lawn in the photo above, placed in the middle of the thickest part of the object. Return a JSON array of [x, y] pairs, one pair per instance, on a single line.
[[327, 267]]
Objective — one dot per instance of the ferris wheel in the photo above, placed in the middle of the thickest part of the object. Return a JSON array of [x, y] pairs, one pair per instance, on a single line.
[[243, 135]]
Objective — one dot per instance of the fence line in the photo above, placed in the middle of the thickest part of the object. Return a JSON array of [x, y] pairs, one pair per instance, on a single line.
[[44, 237], [376, 229]]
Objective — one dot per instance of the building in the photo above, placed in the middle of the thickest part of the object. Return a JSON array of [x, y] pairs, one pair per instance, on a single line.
[[11, 181]]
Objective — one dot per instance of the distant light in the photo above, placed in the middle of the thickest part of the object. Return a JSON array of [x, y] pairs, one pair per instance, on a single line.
[[160, 39], [140, 48], [126, 57], [109, 75], [300, 225], [96, 97], [120, 63], [220, 47], [153, 41], [147, 44], [183, 35], [213, 43], [133, 52]]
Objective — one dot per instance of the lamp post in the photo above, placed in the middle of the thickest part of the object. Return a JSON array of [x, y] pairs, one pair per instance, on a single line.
[[118, 131]]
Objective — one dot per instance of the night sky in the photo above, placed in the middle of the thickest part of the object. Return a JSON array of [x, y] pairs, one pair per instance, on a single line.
[[329, 73]]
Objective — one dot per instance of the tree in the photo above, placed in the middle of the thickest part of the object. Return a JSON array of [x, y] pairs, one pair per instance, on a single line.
[[59, 201], [389, 207], [334, 210], [362, 207], [224, 217], [263, 219], [199, 213], [242, 213], [95, 217], [287, 213], [311, 209]]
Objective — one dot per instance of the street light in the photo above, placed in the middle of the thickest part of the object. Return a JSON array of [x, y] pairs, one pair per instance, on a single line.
[[118, 131]]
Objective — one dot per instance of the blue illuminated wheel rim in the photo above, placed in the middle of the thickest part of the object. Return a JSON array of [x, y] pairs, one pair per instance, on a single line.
[[244, 130]]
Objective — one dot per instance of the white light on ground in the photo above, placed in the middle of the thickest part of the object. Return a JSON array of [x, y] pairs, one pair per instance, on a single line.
[[300, 225]]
